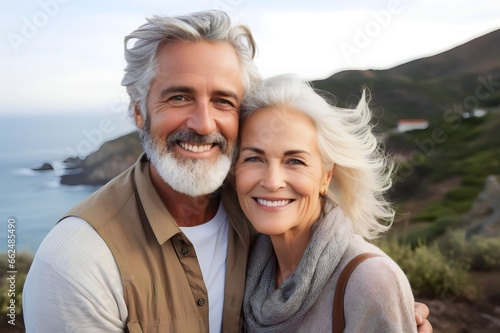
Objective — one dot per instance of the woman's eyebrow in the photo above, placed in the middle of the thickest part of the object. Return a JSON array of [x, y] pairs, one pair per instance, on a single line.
[[253, 149], [295, 152]]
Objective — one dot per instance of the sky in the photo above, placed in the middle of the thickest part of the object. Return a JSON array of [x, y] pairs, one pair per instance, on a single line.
[[66, 56]]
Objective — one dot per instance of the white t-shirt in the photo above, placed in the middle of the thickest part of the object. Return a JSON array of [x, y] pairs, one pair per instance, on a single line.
[[73, 263], [210, 243]]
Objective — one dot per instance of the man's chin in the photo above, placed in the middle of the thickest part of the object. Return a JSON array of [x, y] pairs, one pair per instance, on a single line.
[[193, 179]]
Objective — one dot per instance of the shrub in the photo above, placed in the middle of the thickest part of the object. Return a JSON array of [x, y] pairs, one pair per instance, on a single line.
[[433, 211], [431, 274], [6, 298], [482, 253], [485, 253], [453, 245], [23, 262], [473, 180], [432, 230], [462, 193]]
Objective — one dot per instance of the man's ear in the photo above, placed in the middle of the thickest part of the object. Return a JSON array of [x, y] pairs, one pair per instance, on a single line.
[[139, 118]]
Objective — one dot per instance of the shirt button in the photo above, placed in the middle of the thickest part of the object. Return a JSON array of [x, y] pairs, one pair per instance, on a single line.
[[201, 302], [184, 250]]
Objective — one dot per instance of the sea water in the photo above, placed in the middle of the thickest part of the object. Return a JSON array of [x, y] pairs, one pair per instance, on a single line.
[[36, 200]]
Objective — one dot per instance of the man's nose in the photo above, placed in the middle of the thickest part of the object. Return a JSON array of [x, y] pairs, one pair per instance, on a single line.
[[202, 120]]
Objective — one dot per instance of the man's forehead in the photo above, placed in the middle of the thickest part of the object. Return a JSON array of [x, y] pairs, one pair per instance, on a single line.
[[214, 65], [200, 53]]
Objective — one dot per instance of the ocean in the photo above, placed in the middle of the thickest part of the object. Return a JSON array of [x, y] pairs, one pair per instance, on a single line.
[[31, 202]]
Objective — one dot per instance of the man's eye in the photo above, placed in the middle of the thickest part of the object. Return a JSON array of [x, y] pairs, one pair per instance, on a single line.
[[177, 98], [224, 102]]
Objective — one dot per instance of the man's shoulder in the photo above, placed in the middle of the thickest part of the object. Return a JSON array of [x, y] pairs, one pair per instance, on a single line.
[[121, 186], [73, 275], [108, 201], [72, 243]]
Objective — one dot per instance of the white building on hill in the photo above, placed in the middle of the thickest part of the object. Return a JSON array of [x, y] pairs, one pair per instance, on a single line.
[[405, 125]]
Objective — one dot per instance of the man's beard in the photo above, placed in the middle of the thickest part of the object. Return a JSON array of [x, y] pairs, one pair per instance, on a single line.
[[193, 177]]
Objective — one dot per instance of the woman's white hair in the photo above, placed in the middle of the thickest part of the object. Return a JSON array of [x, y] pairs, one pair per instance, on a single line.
[[210, 25], [362, 172]]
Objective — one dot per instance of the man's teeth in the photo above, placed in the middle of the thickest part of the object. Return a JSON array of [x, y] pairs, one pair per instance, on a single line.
[[195, 148], [273, 203]]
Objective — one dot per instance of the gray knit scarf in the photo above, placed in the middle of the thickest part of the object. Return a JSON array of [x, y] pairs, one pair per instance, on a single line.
[[268, 309]]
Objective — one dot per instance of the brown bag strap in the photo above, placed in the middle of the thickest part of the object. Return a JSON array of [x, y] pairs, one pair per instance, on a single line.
[[338, 319]]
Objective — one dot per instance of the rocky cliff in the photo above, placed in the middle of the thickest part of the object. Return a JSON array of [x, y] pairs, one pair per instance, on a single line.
[[111, 159], [484, 216]]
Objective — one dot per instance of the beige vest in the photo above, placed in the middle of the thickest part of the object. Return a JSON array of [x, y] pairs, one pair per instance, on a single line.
[[162, 281]]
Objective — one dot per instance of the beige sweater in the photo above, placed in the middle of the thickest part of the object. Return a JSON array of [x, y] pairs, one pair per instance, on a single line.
[[376, 283]]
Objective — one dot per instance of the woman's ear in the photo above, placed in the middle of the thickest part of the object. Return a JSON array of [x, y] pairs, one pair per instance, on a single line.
[[326, 181], [139, 118]]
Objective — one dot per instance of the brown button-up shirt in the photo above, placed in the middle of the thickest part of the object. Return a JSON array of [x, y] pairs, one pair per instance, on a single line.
[[162, 280]]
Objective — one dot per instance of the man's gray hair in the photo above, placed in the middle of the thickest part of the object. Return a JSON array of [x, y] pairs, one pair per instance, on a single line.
[[160, 30]]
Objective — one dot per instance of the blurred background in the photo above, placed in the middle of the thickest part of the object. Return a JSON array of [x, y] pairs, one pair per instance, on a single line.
[[433, 70]]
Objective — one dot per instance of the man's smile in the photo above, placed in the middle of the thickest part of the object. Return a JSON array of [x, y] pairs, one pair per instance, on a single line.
[[197, 148]]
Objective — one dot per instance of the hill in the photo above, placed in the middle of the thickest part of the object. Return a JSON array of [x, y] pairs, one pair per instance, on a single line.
[[467, 76]]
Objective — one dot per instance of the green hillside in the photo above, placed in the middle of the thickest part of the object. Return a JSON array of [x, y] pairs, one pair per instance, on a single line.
[[465, 152]]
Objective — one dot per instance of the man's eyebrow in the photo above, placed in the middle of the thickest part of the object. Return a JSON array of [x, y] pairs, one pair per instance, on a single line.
[[175, 89], [227, 93]]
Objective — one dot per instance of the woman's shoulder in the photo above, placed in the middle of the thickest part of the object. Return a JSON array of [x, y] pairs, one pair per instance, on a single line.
[[380, 288], [358, 245], [378, 268]]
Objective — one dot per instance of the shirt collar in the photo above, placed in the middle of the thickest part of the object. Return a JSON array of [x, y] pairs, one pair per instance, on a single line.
[[161, 221]]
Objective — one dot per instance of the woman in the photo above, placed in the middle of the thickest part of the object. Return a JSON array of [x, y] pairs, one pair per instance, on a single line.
[[310, 178]]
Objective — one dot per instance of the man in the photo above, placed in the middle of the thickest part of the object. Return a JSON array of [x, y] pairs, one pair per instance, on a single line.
[[153, 250]]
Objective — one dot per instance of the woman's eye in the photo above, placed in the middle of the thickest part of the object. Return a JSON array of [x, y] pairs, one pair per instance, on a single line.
[[251, 159], [296, 161]]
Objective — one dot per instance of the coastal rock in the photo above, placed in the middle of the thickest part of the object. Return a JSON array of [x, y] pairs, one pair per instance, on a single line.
[[111, 159], [44, 167], [484, 216]]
